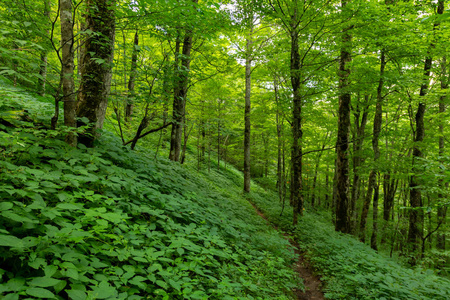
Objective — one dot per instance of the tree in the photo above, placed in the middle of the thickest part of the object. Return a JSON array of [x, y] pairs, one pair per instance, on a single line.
[[343, 222], [67, 68], [182, 68], [96, 66]]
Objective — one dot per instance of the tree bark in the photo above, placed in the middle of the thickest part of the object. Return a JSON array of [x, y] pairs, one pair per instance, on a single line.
[[360, 127], [376, 153], [68, 66], [185, 140], [247, 109], [131, 94], [180, 94], [43, 67], [279, 141], [297, 133], [442, 209], [343, 223], [316, 169], [373, 239], [97, 64]]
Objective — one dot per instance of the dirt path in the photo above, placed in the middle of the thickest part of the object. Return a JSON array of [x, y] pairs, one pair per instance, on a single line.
[[302, 267]]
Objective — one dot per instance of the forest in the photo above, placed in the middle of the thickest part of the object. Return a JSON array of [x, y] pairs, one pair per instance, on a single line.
[[201, 149]]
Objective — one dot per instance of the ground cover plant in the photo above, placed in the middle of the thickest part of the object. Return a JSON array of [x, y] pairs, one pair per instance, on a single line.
[[110, 223], [349, 268]]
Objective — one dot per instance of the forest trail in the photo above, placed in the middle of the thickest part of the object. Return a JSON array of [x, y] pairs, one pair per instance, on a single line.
[[302, 267]]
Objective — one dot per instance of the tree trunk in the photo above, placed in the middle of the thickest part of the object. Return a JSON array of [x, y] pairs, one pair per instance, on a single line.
[[415, 232], [376, 152], [131, 94], [442, 209], [376, 195], [97, 64], [185, 140], [43, 67], [416, 218], [248, 78], [68, 66], [366, 205], [316, 168], [218, 134], [296, 185], [279, 141], [343, 223], [180, 94], [360, 127]]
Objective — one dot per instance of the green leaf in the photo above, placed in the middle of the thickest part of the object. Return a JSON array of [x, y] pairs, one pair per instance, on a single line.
[[50, 270], [71, 273], [60, 286], [16, 284], [15, 217], [44, 281], [6, 205], [161, 284], [40, 293], [77, 294], [70, 206], [11, 297], [10, 241], [104, 290]]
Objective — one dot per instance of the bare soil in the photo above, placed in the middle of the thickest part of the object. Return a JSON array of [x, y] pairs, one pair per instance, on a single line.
[[312, 282]]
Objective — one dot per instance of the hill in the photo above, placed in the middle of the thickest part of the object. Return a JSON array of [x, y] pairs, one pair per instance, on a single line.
[[110, 223]]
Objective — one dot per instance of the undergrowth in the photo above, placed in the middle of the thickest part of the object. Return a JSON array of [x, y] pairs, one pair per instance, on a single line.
[[349, 268], [110, 223]]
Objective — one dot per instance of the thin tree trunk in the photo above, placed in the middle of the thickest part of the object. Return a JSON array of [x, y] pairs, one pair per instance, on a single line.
[[442, 209], [416, 218], [327, 187], [366, 205], [68, 66], [43, 67], [218, 135], [360, 127], [247, 109], [376, 154], [316, 168], [131, 94], [279, 141], [185, 140], [373, 240]]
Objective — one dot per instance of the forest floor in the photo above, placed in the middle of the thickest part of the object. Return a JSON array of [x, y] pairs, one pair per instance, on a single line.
[[302, 267]]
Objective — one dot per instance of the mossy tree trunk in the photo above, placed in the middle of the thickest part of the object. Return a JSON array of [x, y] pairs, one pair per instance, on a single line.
[[96, 66]]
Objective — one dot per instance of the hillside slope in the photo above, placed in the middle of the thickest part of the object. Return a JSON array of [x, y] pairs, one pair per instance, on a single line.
[[109, 223]]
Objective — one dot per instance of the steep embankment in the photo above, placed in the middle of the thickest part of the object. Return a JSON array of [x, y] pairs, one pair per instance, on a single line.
[[110, 223]]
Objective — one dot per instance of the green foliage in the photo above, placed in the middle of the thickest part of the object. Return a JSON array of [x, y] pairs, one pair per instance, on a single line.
[[109, 223], [350, 269]]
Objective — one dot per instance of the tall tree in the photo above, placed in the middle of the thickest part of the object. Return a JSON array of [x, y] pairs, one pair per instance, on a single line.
[[67, 68], [181, 80], [442, 209], [131, 94], [343, 222], [247, 109], [96, 66], [44, 55], [416, 215]]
